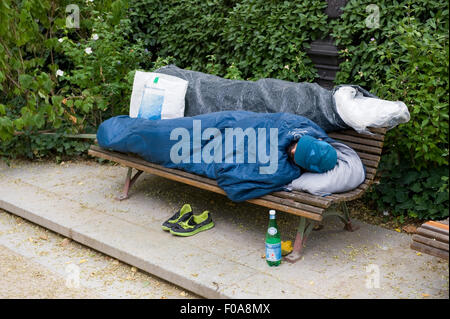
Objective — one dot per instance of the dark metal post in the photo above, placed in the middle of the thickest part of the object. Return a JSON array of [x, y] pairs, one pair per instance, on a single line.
[[324, 52]]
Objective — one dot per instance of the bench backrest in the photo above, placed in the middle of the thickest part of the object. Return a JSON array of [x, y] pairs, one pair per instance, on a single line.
[[369, 149]]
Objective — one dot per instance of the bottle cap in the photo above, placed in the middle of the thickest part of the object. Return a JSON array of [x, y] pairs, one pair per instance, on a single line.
[[272, 212]]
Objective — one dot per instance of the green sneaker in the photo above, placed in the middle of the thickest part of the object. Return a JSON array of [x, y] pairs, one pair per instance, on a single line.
[[182, 215], [194, 225]]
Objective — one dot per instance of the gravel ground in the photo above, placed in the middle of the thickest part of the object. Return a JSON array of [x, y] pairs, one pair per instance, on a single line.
[[37, 263], [22, 278]]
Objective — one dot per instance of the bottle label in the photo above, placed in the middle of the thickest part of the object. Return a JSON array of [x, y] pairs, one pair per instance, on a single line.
[[273, 252], [272, 231]]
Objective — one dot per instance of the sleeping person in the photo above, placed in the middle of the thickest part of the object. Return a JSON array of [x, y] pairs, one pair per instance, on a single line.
[[249, 154]]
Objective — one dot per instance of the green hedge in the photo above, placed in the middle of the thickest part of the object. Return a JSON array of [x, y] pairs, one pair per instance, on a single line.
[[66, 81], [405, 58], [259, 38]]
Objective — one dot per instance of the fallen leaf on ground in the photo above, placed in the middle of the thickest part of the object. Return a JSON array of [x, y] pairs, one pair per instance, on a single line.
[[410, 229], [64, 242], [425, 295], [398, 230], [82, 261]]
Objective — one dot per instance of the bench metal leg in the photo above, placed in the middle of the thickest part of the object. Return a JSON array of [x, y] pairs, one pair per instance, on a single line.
[[304, 229], [344, 216], [307, 225], [128, 183]]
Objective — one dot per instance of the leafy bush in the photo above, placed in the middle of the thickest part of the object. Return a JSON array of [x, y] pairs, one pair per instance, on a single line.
[[272, 41], [188, 31], [62, 80], [405, 58], [406, 191]]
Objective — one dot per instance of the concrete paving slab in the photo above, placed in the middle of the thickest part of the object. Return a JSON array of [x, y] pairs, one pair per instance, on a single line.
[[33, 256], [76, 200]]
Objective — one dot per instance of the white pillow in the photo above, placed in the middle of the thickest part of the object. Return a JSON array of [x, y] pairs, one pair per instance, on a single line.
[[345, 176], [157, 96]]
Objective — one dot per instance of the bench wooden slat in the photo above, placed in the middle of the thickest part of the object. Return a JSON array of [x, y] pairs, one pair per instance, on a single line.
[[429, 250], [292, 203], [352, 195], [430, 242], [371, 157], [374, 136], [356, 139], [371, 171], [288, 209], [431, 234], [369, 163], [306, 198], [437, 227], [364, 148], [365, 185], [378, 130]]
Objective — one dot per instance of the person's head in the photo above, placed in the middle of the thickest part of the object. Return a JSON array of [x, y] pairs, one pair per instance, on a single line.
[[313, 154]]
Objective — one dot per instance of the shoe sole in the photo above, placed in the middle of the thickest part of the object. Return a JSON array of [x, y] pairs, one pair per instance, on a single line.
[[192, 233]]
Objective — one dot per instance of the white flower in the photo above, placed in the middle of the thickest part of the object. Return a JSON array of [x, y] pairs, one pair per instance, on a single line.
[[95, 36], [88, 50], [60, 40], [59, 73]]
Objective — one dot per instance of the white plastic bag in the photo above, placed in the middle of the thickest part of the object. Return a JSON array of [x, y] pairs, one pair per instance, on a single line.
[[157, 96], [361, 112]]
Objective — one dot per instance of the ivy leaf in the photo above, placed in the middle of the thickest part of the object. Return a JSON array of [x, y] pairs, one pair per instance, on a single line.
[[25, 80], [416, 187], [6, 128], [401, 196]]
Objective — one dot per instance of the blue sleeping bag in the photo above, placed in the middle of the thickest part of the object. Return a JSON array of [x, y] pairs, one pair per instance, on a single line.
[[245, 152]]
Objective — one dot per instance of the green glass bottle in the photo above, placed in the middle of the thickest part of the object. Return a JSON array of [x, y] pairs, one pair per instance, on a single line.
[[273, 242]]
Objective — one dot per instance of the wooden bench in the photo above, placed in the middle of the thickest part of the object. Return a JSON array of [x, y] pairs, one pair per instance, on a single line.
[[431, 238], [311, 209]]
